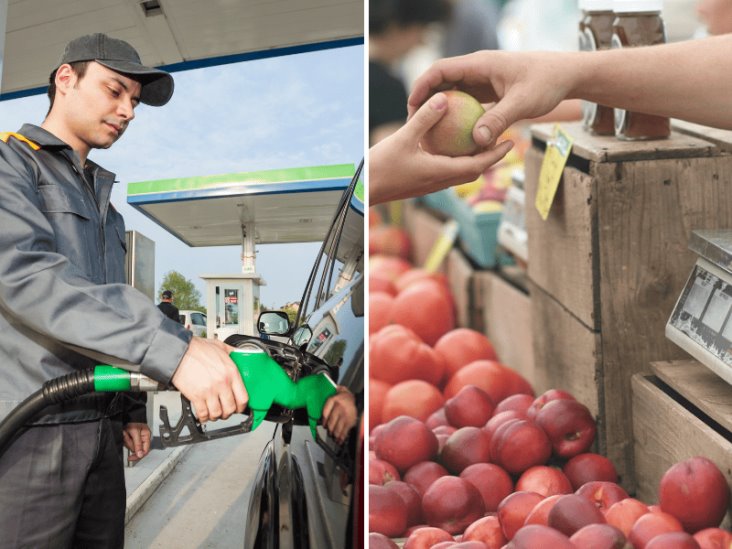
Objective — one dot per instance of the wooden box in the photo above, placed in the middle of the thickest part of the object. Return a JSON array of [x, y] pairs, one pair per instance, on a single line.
[[682, 411], [502, 311], [608, 264]]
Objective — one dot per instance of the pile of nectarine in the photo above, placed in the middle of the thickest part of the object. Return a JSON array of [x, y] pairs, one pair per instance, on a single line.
[[463, 454]]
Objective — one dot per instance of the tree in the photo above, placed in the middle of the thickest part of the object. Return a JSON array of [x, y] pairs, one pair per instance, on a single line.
[[185, 294]]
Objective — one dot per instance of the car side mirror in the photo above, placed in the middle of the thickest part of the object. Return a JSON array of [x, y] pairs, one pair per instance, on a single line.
[[273, 323]]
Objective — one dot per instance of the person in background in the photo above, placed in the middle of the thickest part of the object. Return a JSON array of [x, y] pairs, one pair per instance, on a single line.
[[395, 28], [688, 80], [167, 307]]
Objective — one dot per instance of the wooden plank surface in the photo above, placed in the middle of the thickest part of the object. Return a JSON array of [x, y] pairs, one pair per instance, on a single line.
[[700, 386], [561, 248], [459, 274], [506, 321], [566, 353], [666, 433], [609, 149], [646, 212], [423, 228], [721, 138]]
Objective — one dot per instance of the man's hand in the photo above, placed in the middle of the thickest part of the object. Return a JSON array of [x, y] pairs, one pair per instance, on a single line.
[[400, 168], [210, 380], [136, 438], [339, 414], [521, 84]]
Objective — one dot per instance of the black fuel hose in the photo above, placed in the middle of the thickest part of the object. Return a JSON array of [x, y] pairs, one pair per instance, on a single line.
[[53, 391]]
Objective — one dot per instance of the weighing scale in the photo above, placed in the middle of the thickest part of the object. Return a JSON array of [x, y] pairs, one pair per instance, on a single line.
[[701, 322]]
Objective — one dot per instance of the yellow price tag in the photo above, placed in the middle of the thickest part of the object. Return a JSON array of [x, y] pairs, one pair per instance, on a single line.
[[442, 246], [555, 158]]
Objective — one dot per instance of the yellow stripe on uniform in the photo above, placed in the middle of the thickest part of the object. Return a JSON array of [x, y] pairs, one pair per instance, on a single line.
[[4, 136]]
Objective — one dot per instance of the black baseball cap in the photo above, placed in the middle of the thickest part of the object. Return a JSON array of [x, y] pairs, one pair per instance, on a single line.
[[118, 55], [167, 294]]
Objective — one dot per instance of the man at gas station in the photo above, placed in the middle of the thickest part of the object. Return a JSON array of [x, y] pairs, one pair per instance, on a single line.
[[64, 306]]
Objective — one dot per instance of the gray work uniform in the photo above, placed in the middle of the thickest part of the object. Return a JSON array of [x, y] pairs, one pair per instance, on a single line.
[[64, 305]]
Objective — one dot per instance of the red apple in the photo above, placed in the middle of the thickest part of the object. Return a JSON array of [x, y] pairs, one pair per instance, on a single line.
[[673, 540], [540, 513], [544, 398], [536, 536], [569, 426], [514, 509], [470, 407], [499, 419], [452, 503], [623, 514], [465, 447], [518, 403], [520, 444], [426, 537], [412, 500], [444, 430], [600, 536], [603, 494], [572, 512], [486, 530], [387, 512], [423, 474], [404, 442], [544, 480], [651, 525], [380, 541], [587, 467], [436, 419], [381, 472], [461, 346], [714, 538], [696, 492], [493, 483]]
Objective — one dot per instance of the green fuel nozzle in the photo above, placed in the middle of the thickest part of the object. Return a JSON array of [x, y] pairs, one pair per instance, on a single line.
[[267, 384], [265, 381]]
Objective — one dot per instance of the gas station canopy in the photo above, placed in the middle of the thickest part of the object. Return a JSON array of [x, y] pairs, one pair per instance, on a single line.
[[173, 34], [288, 205]]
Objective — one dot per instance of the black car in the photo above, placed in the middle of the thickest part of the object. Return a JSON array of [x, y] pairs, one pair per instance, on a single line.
[[307, 493]]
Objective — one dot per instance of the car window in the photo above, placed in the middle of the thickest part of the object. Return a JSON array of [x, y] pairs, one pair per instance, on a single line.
[[182, 318], [197, 319], [342, 255]]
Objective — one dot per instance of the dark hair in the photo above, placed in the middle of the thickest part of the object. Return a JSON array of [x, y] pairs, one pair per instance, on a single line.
[[383, 13], [79, 67]]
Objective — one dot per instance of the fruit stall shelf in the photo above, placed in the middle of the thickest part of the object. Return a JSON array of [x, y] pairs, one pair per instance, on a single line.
[[610, 261], [682, 411], [477, 231]]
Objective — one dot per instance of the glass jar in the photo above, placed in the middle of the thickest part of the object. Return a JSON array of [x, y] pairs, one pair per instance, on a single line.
[[639, 23], [595, 33]]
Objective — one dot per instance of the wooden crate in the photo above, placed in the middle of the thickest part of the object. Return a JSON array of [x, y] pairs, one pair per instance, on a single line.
[[683, 411], [503, 312], [460, 273], [611, 261], [424, 229]]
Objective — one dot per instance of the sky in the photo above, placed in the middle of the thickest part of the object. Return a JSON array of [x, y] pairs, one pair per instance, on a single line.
[[283, 112]]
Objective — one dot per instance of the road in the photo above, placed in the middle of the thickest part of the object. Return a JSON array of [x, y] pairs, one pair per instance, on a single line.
[[203, 502]]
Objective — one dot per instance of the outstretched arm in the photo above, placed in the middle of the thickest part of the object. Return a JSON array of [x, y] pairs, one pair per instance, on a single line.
[[689, 80], [400, 168]]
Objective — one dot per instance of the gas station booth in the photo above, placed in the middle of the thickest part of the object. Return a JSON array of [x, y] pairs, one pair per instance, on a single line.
[[264, 207]]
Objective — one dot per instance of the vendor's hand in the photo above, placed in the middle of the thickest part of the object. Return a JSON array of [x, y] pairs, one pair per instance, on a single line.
[[136, 438], [210, 380], [521, 84], [340, 414], [400, 168]]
